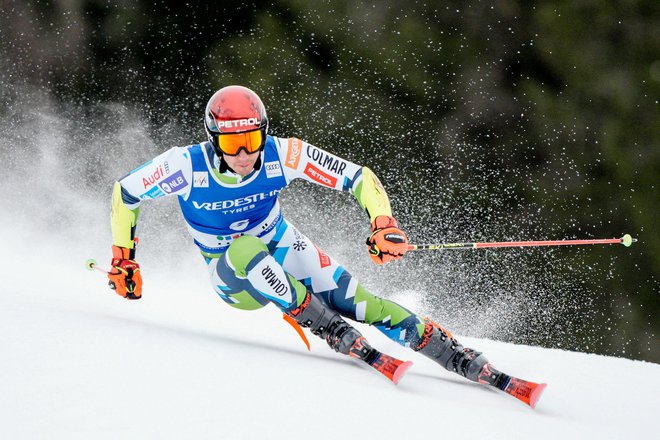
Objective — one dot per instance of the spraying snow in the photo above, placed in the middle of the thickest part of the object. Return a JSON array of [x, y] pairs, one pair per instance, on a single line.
[[80, 362]]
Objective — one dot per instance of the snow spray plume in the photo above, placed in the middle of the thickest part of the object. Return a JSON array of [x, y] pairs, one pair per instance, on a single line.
[[62, 159], [514, 296]]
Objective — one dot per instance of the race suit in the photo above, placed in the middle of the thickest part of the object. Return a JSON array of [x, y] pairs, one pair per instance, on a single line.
[[254, 255]]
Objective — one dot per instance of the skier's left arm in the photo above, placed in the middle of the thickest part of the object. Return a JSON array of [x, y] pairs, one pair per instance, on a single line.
[[305, 161]]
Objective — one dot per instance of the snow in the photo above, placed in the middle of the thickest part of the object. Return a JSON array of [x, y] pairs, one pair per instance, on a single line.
[[80, 362]]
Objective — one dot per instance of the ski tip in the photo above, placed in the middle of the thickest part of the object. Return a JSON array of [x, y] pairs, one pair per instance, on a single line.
[[536, 394], [400, 371]]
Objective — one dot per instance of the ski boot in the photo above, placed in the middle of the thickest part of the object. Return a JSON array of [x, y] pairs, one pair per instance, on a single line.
[[344, 338], [440, 345]]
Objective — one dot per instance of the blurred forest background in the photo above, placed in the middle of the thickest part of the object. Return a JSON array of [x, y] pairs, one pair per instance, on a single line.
[[486, 120]]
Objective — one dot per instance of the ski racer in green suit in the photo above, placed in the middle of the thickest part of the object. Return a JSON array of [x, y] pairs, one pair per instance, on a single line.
[[228, 190]]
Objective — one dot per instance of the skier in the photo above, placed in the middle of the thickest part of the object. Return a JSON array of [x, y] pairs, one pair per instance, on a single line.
[[228, 193]]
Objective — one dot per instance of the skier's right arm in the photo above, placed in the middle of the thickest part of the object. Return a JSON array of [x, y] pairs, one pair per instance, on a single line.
[[168, 174]]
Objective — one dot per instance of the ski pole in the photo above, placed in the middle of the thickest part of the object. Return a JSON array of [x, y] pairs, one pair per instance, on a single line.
[[91, 264], [626, 240]]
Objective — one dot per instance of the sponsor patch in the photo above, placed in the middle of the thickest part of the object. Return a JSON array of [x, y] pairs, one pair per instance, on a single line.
[[394, 238], [238, 205], [239, 123], [173, 183], [272, 282], [273, 169], [153, 178], [324, 259], [327, 161], [278, 286], [239, 225], [293, 153], [200, 179], [152, 193], [319, 176]]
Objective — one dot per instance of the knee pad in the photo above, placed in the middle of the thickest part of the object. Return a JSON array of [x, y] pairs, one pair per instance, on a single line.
[[252, 267], [242, 251]]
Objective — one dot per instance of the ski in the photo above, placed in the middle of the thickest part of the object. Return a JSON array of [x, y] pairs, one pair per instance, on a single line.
[[523, 390], [388, 366]]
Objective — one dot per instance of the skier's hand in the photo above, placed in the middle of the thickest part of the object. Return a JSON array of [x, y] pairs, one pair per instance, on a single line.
[[125, 277], [387, 242]]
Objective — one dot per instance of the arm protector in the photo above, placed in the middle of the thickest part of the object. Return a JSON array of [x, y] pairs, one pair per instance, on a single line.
[[371, 195], [122, 220]]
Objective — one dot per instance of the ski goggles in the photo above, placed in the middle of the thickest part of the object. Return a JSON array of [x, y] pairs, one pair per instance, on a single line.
[[231, 144]]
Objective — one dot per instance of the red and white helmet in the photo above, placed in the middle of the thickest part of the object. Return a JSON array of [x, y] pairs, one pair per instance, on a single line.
[[234, 110]]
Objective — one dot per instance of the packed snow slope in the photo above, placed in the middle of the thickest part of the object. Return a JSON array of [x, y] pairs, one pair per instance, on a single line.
[[79, 362]]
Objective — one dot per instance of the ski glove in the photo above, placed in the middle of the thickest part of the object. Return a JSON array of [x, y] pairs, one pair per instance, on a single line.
[[125, 277], [387, 242]]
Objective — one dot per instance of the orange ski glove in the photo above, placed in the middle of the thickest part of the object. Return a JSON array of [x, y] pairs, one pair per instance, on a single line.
[[387, 242], [125, 277]]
